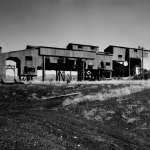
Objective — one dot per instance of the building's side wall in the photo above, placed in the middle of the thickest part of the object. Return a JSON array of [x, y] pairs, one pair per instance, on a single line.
[[109, 49], [106, 59], [119, 54], [67, 53], [74, 46], [91, 63], [21, 55], [84, 47], [90, 58], [135, 53], [2, 67], [146, 61]]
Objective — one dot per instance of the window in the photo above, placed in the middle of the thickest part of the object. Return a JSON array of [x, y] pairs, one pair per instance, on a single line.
[[61, 60], [107, 63], [47, 60], [102, 64], [28, 69], [79, 46], [135, 50], [119, 56], [92, 48], [28, 58]]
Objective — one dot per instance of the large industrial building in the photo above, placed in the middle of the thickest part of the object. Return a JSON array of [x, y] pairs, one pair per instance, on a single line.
[[128, 61], [86, 60]]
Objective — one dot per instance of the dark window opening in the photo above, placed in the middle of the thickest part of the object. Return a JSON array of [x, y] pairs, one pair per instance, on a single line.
[[47, 60], [90, 66], [135, 50], [28, 70], [92, 47], [79, 46], [28, 58], [107, 63], [119, 56], [102, 64], [61, 60]]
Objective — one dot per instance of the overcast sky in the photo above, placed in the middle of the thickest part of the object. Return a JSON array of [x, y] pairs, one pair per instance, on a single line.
[[58, 22]]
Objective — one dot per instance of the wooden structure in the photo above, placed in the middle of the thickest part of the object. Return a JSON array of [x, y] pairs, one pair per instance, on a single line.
[[84, 59], [126, 60]]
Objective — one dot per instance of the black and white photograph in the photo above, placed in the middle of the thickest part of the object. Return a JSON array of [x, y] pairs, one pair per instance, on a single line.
[[74, 74]]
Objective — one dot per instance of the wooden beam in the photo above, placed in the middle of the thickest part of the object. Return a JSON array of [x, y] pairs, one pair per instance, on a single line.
[[43, 69], [59, 96]]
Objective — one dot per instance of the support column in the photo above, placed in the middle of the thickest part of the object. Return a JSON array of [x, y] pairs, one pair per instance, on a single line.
[[56, 75], [63, 75], [2, 67], [79, 75], [70, 76], [129, 68], [99, 74], [83, 71], [110, 74], [142, 64], [60, 75], [43, 69]]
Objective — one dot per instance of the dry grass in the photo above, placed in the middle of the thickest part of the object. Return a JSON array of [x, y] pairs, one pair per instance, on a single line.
[[28, 122], [114, 82], [134, 86], [53, 83], [130, 86]]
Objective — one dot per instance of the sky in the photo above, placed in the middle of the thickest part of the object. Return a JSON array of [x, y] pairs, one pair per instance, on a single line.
[[58, 22]]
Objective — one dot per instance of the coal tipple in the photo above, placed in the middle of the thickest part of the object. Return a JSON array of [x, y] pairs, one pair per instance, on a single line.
[[86, 60]]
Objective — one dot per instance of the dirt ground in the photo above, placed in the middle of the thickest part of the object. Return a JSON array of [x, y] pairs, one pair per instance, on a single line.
[[30, 121]]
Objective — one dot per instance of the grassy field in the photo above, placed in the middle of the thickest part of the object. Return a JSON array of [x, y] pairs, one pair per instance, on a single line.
[[106, 115]]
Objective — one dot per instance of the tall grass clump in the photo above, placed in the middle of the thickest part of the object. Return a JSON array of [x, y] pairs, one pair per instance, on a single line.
[[53, 83], [134, 86]]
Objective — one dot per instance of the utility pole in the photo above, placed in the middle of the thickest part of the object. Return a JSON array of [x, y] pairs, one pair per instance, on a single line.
[[142, 64], [83, 70], [129, 64], [43, 69]]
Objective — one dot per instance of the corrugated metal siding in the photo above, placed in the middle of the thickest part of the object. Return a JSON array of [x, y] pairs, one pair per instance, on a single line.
[[53, 59], [137, 53], [90, 62], [146, 61], [36, 60], [74, 46], [67, 53], [105, 59], [83, 47], [119, 51]]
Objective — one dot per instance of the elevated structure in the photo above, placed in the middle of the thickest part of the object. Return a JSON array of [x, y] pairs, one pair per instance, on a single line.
[[127, 61], [85, 59]]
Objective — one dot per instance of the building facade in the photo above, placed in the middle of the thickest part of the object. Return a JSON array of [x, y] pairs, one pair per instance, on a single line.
[[127, 61], [84, 59]]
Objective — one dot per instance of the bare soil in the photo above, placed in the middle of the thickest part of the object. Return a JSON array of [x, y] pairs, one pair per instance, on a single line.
[[28, 121]]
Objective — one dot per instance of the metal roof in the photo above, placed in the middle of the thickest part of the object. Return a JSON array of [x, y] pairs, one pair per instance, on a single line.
[[82, 45], [125, 47]]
